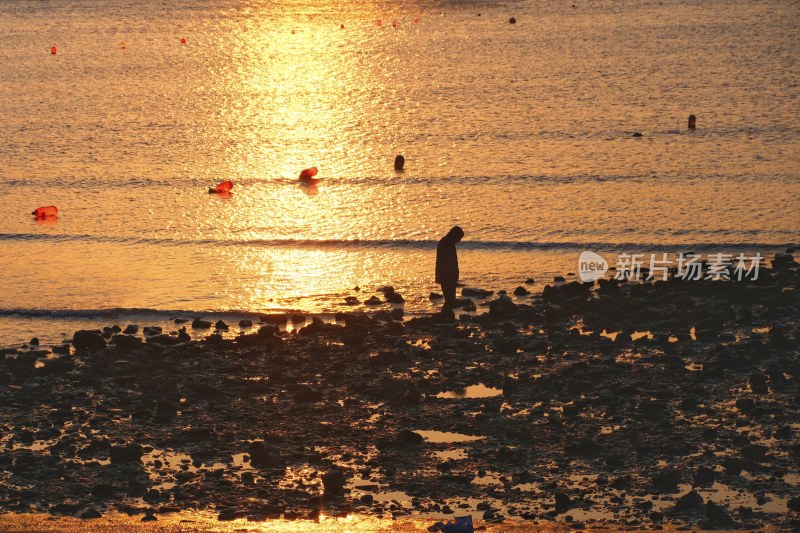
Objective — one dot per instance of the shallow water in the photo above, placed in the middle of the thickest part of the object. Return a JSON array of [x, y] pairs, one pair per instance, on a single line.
[[520, 133]]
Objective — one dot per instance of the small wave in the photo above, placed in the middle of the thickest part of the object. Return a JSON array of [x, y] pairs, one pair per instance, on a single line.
[[124, 312], [401, 244]]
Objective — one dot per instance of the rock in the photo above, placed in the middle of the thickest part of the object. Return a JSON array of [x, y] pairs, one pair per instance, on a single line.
[[245, 323], [689, 503], [131, 329], [297, 318], [304, 393], [34, 341], [521, 291], [88, 340], [198, 323], [126, 453], [396, 314], [126, 342], [165, 411], [67, 507], [733, 465], [90, 514], [754, 452], [636, 134], [435, 296], [665, 481], [333, 482], [150, 331], [351, 300], [163, 340], [468, 292], [558, 278], [563, 502], [502, 306], [183, 336], [530, 281], [263, 455], [394, 298], [373, 300], [221, 325], [227, 514], [717, 516], [704, 477], [584, 447], [512, 20], [275, 318], [794, 504]]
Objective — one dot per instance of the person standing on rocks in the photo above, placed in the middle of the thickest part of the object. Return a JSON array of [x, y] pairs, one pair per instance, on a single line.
[[447, 269]]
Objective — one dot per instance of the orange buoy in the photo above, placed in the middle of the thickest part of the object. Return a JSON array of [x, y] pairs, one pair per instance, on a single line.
[[380, 22], [223, 188], [692, 122], [53, 50], [122, 45], [341, 26], [44, 212], [394, 24], [183, 40], [307, 176], [416, 20], [292, 32]]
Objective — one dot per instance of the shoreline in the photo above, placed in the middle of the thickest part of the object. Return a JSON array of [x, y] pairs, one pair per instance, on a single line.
[[525, 413]]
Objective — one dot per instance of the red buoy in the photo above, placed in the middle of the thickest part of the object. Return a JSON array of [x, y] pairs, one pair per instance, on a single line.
[[692, 122], [44, 212], [223, 188], [380, 22], [307, 176], [183, 40], [341, 26], [53, 50], [394, 24]]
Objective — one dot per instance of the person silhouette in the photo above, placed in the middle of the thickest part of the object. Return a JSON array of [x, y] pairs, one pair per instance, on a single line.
[[447, 269]]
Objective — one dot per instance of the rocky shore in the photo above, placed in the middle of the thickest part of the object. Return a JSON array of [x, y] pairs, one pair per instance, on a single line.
[[617, 404]]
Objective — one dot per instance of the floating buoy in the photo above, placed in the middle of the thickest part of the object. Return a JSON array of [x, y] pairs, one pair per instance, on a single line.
[[223, 188], [292, 32], [394, 24], [183, 40], [341, 26], [692, 122], [122, 45], [53, 50], [44, 212], [399, 162], [380, 22], [512, 20], [307, 176], [416, 20]]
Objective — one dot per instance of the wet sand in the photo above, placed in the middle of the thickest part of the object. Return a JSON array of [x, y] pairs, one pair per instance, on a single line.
[[620, 405]]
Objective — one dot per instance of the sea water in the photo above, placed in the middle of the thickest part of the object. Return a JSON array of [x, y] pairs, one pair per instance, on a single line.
[[524, 134]]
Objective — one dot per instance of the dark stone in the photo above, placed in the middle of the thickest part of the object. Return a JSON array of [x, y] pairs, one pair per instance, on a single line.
[[221, 325], [263, 455], [90, 514], [165, 411], [351, 300], [435, 296], [131, 329], [584, 446], [794, 504], [127, 453], [563, 503], [333, 482], [34, 341], [68, 507], [298, 318], [149, 331], [394, 298], [198, 323], [704, 477], [502, 306], [689, 503], [521, 291], [717, 516], [475, 293], [754, 452], [275, 318], [245, 323], [304, 393], [227, 514], [88, 340], [512, 20], [559, 278], [126, 342], [373, 300], [530, 281]]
